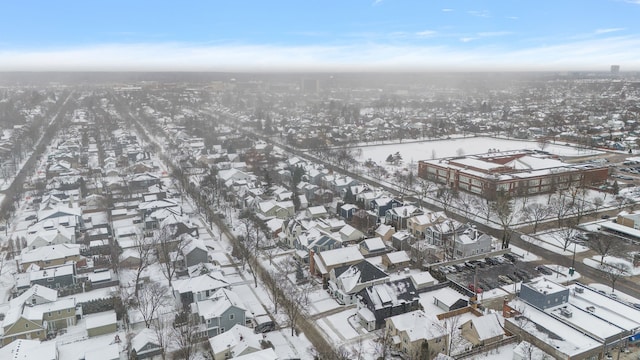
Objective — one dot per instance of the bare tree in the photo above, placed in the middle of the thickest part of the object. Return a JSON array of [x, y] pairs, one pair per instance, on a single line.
[[384, 343], [565, 236], [613, 272], [536, 212], [150, 299], [597, 204], [503, 208], [465, 202], [454, 336], [185, 338], [144, 250], [272, 283], [603, 244], [543, 142], [446, 196], [561, 207], [297, 299], [167, 245], [163, 330]]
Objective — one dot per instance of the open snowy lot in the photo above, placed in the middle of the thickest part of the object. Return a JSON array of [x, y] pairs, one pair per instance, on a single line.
[[415, 151]]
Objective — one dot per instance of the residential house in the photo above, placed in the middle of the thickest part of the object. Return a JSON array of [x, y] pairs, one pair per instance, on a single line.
[[398, 216], [418, 225], [195, 252], [50, 256], [372, 247], [402, 240], [483, 330], [396, 260], [237, 341], [197, 288], [220, 312], [29, 349], [412, 329], [316, 212], [322, 263], [145, 345], [385, 232], [346, 281], [47, 237], [470, 242], [52, 277], [346, 211], [350, 235], [381, 204], [378, 302]]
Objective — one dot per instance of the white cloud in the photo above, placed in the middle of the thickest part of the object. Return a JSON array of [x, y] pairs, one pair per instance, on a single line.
[[608, 30], [494, 33], [480, 13], [588, 54], [426, 33], [467, 39], [447, 10]]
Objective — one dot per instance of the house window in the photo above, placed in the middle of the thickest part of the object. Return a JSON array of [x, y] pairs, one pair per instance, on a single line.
[[221, 330], [231, 316], [26, 325], [59, 312], [50, 280]]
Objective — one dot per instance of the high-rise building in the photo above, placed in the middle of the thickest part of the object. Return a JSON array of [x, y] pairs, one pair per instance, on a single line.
[[615, 69]]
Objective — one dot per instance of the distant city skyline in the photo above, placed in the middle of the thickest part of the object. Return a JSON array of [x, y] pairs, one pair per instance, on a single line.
[[354, 35]]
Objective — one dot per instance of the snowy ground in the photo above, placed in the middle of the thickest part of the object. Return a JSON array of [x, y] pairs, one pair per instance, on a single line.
[[553, 241], [415, 151], [594, 262], [622, 296], [523, 255]]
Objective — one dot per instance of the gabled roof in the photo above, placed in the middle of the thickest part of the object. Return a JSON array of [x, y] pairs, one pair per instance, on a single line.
[[198, 284], [50, 252], [418, 325], [487, 326], [216, 305], [341, 256], [352, 275], [237, 339], [36, 290]]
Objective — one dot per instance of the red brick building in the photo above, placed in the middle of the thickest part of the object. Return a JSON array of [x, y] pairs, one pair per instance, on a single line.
[[518, 172]]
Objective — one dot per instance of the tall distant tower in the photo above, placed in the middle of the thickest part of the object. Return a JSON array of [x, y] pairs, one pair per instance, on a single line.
[[615, 69]]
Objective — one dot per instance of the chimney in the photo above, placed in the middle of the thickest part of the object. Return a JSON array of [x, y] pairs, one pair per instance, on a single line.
[[312, 263]]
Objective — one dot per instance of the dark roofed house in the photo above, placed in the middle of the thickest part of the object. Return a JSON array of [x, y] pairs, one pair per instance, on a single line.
[[378, 302], [346, 281]]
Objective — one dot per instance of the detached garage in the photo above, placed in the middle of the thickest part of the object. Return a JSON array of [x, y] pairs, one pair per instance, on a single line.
[[101, 323]]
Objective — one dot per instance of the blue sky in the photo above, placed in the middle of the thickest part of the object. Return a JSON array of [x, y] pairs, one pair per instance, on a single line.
[[330, 35]]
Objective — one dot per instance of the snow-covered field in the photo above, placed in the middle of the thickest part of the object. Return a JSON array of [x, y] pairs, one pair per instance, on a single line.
[[553, 241], [415, 151], [594, 262]]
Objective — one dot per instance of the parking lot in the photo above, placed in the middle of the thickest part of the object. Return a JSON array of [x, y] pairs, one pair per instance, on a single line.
[[491, 273]]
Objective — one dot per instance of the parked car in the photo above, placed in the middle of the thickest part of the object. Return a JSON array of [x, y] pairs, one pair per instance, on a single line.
[[505, 279], [509, 257], [477, 290], [544, 270]]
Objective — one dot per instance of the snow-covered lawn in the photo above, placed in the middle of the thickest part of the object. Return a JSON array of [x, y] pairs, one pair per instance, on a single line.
[[553, 241], [320, 301], [423, 150], [337, 326], [523, 255], [289, 347], [594, 262]]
